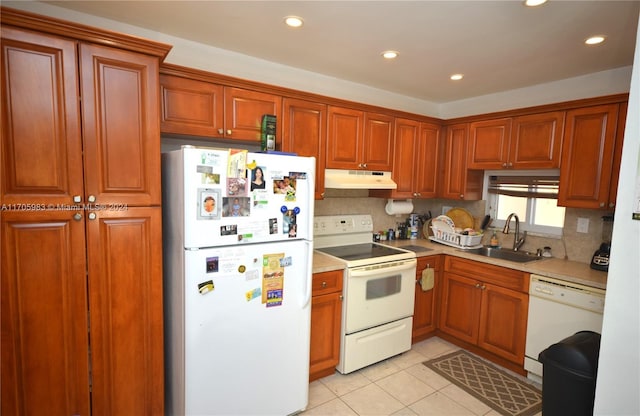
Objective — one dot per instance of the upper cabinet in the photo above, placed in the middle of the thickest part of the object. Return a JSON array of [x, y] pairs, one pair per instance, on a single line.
[[588, 157], [416, 152], [304, 132], [359, 140], [525, 142], [458, 182], [199, 108]]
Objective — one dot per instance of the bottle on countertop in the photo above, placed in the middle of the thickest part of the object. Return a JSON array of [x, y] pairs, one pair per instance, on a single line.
[[494, 240]]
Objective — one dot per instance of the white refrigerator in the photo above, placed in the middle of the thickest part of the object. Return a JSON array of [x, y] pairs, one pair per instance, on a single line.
[[237, 234]]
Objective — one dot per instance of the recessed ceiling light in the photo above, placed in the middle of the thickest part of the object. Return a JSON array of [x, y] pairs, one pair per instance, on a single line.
[[534, 3], [594, 40], [390, 54], [293, 21], [457, 77]]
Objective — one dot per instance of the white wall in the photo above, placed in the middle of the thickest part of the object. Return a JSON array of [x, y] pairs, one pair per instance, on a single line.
[[195, 55], [618, 382]]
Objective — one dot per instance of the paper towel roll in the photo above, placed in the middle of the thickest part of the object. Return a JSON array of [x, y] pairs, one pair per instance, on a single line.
[[395, 207]]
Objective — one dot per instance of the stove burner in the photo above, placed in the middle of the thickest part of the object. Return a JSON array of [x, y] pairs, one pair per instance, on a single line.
[[360, 251]]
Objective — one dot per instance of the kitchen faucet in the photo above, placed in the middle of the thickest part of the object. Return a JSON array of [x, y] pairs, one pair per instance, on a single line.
[[517, 241]]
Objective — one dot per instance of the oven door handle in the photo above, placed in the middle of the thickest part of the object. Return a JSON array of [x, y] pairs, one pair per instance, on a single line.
[[383, 268]]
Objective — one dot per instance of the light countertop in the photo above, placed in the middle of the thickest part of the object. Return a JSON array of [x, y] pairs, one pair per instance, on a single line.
[[566, 270]]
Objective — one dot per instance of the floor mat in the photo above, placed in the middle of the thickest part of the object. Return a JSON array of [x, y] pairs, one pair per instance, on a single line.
[[502, 392]]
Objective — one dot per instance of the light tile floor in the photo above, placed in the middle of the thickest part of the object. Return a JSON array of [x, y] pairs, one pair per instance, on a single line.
[[401, 385]]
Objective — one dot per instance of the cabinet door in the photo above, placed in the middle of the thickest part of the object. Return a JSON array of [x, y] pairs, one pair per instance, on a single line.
[[617, 155], [344, 138], [41, 149], [424, 316], [489, 144], [191, 107], [304, 132], [404, 165], [587, 157], [503, 322], [45, 346], [536, 141], [326, 313], [243, 111], [426, 165], [125, 297], [458, 181], [120, 125], [460, 307], [378, 142]]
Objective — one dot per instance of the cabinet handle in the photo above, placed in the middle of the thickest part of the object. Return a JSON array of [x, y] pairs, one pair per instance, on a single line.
[[612, 204], [341, 297], [483, 287], [93, 216], [477, 285], [504, 165], [77, 198], [77, 216], [91, 198], [220, 131], [461, 196], [601, 204], [364, 165], [324, 284], [510, 164], [229, 132]]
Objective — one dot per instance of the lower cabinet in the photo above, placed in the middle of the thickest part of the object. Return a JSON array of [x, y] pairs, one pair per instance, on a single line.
[[81, 314], [326, 316], [425, 306], [485, 306]]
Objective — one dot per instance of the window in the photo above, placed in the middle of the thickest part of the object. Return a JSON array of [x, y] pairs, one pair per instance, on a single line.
[[532, 195]]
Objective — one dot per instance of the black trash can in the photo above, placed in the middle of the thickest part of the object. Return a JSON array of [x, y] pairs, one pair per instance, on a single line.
[[569, 370]]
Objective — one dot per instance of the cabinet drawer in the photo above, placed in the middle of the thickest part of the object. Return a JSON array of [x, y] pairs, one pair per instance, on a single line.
[[327, 282], [431, 262], [488, 273]]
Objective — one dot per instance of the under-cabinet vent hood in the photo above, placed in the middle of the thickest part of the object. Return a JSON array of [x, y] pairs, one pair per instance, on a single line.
[[358, 179]]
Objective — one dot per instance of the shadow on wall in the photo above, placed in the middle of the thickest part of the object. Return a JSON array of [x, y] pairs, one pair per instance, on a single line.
[[579, 246]]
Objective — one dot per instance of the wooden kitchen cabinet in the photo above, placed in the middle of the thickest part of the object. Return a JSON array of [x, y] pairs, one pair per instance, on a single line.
[[199, 108], [359, 140], [588, 152], [304, 133], [457, 181], [80, 194], [425, 306], [326, 318], [525, 142], [485, 306], [488, 146], [415, 164]]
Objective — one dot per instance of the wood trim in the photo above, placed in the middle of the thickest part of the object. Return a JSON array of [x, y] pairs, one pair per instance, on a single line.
[[229, 81], [81, 32], [565, 105]]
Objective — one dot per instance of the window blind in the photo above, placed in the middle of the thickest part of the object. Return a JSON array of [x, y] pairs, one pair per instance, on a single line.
[[525, 186]]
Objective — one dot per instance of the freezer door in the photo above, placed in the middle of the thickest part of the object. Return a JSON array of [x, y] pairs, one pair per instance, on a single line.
[[233, 197], [247, 328]]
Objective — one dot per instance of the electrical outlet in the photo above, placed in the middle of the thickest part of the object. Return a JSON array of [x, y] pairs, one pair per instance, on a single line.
[[583, 225]]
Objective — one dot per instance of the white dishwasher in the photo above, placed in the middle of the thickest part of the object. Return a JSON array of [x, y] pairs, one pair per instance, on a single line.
[[557, 310]]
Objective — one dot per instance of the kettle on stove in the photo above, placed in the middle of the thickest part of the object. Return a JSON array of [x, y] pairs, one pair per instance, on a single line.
[[600, 259]]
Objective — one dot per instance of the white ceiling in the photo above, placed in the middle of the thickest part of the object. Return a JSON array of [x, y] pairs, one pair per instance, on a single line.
[[497, 45]]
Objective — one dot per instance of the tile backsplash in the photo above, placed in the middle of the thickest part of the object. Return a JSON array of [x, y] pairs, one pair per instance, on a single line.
[[575, 246]]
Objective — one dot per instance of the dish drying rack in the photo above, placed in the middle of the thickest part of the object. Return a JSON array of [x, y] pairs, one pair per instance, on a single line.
[[457, 240]]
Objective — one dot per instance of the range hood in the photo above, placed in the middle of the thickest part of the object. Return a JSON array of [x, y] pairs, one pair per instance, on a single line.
[[358, 179]]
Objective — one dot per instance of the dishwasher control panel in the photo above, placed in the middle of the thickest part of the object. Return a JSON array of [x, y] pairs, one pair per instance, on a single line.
[[573, 294]]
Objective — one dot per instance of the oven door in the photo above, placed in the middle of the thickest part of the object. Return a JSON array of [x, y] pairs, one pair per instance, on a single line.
[[378, 293]]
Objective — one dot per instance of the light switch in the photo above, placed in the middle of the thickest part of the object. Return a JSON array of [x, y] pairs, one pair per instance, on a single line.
[[583, 225]]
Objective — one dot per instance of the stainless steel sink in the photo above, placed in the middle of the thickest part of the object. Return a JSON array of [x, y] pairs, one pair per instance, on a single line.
[[510, 255]]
